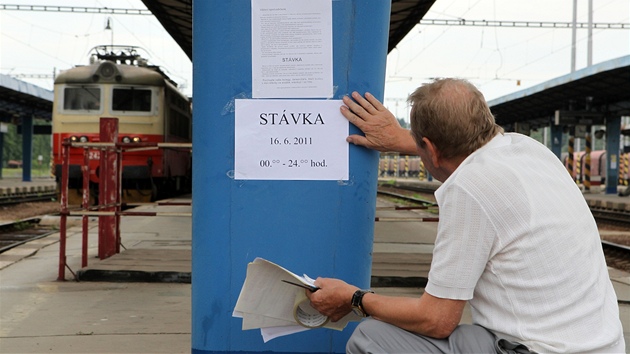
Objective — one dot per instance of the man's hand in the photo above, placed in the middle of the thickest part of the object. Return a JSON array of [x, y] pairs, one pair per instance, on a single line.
[[333, 298], [428, 315], [382, 130]]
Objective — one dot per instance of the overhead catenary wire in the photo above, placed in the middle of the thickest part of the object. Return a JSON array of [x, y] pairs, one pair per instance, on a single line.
[[521, 24], [76, 9]]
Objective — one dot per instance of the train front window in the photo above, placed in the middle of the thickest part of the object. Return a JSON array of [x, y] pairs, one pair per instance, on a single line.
[[82, 98], [131, 99]]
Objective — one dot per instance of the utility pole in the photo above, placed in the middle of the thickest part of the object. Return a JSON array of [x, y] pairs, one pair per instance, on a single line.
[[573, 36], [589, 54]]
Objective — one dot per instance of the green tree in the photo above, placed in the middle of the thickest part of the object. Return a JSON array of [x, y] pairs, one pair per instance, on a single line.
[[12, 149], [42, 145], [12, 145]]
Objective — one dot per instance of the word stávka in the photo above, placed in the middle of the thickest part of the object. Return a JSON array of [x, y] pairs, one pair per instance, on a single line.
[[290, 140], [291, 118]]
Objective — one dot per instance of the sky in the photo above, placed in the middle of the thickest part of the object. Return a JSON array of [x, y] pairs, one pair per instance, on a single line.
[[498, 60], [39, 43], [501, 60]]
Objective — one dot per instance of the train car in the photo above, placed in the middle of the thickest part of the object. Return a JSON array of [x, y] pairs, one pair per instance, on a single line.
[[598, 166], [119, 83]]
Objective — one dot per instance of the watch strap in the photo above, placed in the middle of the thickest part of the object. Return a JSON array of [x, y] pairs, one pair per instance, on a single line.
[[357, 300]]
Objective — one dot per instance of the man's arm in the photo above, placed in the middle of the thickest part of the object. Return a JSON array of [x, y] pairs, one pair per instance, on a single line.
[[382, 130], [427, 315]]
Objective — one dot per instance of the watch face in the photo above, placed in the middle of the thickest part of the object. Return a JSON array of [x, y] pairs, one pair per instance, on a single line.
[[356, 298]]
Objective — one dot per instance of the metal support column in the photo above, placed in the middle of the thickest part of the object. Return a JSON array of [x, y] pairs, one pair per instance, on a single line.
[[317, 227], [63, 220], [587, 161], [571, 157], [85, 172], [27, 147], [613, 134], [108, 188], [556, 140]]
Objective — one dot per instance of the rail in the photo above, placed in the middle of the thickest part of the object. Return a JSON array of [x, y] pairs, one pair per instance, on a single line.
[[426, 205], [110, 182]]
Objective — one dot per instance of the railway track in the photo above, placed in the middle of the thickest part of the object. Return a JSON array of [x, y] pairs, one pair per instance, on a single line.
[[413, 199], [22, 231], [613, 217], [617, 254]]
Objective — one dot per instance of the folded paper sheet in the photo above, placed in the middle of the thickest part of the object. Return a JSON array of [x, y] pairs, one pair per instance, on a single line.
[[267, 302]]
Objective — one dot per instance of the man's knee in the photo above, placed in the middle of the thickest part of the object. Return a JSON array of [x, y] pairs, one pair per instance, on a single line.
[[471, 338], [363, 335]]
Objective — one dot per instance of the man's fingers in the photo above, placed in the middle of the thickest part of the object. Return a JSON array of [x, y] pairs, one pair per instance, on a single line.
[[355, 108], [351, 116], [358, 140], [365, 104], [374, 102]]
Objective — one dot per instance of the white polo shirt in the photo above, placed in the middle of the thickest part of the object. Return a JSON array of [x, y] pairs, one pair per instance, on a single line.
[[518, 240]]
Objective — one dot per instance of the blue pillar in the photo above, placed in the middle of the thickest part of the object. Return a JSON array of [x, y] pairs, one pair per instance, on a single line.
[[321, 228], [27, 147], [556, 140], [613, 158]]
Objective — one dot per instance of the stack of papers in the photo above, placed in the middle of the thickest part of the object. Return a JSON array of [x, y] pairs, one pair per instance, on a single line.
[[271, 301]]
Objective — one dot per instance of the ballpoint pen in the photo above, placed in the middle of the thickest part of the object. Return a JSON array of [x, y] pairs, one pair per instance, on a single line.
[[305, 286]]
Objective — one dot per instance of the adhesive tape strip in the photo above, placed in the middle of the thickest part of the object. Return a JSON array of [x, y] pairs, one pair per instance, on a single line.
[[305, 315]]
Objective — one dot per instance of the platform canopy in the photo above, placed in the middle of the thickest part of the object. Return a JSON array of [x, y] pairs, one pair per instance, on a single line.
[[605, 87], [176, 17], [19, 99]]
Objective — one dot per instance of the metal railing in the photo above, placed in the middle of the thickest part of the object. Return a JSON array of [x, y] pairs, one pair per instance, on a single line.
[[110, 182]]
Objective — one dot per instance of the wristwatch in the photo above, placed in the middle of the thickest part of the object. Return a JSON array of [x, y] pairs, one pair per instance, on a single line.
[[357, 302]]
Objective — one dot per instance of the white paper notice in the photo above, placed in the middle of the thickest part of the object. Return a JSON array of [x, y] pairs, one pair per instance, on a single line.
[[290, 140], [292, 49], [270, 301]]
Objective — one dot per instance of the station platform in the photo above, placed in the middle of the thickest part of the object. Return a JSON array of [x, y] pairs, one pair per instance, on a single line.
[[139, 300], [42, 315], [16, 187], [601, 200]]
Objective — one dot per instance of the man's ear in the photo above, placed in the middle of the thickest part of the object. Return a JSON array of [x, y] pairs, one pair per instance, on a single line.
[[434, 153]]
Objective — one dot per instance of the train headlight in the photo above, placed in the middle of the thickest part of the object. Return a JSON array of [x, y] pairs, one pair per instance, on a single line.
[[84, 139], [74, 139], [126, 139], [136, 139]]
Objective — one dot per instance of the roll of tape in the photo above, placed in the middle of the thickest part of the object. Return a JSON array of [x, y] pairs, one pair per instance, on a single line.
[[305, 315]]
